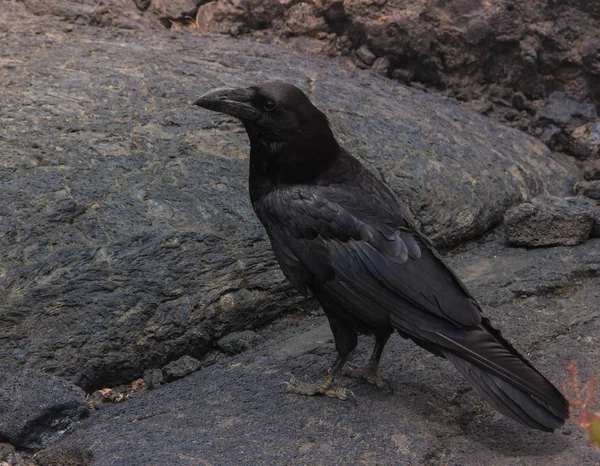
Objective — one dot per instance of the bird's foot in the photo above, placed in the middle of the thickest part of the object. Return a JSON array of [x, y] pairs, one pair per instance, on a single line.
[[370, 374], [322, 388]]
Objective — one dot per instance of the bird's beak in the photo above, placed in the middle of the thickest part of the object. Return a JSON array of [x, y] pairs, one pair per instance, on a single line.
[[236, 102]]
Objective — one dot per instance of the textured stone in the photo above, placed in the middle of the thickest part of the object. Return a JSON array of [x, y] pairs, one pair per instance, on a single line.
[[591, 170], [36, 409], [237, 342], [595, 233], [590, 189], [563, 111], [549, 221], [153, 378], [175, 9], [365, 55], [185, 365], [585, 141]]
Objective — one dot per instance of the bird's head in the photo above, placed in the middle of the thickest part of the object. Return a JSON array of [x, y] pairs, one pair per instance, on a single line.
[[284, 127]]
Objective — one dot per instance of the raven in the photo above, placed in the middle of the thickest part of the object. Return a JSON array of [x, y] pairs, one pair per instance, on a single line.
[[339, 233]]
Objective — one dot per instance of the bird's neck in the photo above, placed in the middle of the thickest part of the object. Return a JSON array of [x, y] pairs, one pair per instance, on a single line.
[[275, 164]]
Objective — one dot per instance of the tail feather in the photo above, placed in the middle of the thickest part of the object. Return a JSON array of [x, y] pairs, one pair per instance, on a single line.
[[504, 378], [509, 400]]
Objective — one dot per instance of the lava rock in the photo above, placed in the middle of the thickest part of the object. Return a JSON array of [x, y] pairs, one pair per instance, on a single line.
[[381, 66], [550, 221], [64, 455], [563, 111], [301, 20], [365, 55], [591, 171], [36, 409], [585, 140], [589, 189], [185, 365], [595, 233], [153, 378], [237, 342], [174, 9]]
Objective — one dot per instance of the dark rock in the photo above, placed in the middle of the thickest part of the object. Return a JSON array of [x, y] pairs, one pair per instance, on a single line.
[[126, 235], [64, 455], [36, 409], [10, 457], [591, 171], [403, 75], [237, 342], [479, 52], [553, 137], [185, 365], [153, 378], [175, 9], [301, 19], [585, 141], [480, 106], [549, 221], [595, 233], [381, 66], [591, 58], [519, 101], [238, 408], [365, 55], [222, 18], [120, 14], [336, 17], [563, 111], [589, 189]]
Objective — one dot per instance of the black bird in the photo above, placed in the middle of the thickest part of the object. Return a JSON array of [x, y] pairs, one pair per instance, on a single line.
[[339, 233]]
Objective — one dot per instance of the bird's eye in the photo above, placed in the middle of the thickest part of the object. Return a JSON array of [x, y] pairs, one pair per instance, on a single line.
[[269, 105]]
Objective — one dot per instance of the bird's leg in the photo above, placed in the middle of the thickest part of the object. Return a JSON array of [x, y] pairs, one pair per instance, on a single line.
[[370, 372], [325, 386]]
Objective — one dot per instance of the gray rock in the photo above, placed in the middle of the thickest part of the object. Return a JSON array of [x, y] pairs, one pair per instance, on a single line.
[[126, 235], [590, 189], [553, 137], [237, 342], [591, 170], [563, 111], [595, 233], [36, 409], [153, 378], [381, 66], [365, 55], [64, 455], [585, 140], [175, 9], [550, 221], [185, 365]]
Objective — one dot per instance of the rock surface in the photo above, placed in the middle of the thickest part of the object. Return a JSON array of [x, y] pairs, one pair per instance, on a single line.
[[126, 235], [237, 342], [36, 409], [590, 189], [512, 56], [591, 170], [185, 365], [550, 221], [544, 300]]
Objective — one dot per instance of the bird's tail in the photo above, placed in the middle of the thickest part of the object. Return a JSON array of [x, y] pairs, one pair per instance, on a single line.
[[505, 379]]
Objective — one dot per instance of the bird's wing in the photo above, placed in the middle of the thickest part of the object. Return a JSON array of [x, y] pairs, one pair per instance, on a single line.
[[381, 270]]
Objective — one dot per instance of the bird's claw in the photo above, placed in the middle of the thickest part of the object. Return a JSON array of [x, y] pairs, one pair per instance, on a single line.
[[323, 388], [367, 373]]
